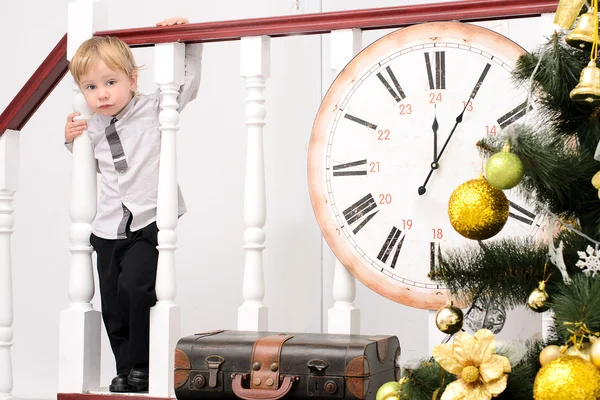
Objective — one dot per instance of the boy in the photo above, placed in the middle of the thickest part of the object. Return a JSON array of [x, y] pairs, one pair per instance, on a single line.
[[125, 137]]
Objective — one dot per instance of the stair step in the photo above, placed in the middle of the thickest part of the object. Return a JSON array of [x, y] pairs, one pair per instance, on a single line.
[[104, 394]]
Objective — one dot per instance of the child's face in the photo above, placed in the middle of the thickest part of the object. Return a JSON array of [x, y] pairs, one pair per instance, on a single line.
[[107, 91]]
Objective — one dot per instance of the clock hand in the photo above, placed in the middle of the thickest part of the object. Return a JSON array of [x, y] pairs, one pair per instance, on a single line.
[[435, 165], [435, 127]]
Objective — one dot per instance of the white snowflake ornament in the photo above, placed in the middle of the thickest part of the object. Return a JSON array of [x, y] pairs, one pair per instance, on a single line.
[[589, 261]]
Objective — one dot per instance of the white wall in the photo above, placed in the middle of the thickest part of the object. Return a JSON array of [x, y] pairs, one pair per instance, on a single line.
[[212, 141]]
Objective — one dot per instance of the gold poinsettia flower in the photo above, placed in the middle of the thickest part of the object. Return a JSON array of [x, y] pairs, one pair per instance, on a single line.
[[481, 374]]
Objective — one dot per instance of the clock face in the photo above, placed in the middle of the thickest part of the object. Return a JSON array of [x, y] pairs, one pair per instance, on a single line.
[[380, 177]]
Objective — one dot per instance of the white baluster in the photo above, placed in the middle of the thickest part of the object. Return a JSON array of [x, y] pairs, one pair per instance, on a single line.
[[165, 316], [343, 317], [79, 333], [435, 335], [255, 60], [9, 179]]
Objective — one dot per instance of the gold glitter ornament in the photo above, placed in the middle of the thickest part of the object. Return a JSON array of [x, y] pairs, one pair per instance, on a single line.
[[477, 210], [389, 391], [567, 12], [549, 354], [538, 299], [449, 319], [504, 170], [567, 378]]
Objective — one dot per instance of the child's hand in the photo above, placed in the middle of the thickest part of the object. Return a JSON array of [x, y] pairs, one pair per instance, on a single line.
[[74, 128], [173, 21]]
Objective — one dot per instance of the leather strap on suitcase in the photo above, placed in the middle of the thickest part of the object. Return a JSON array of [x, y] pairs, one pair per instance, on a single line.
[[265, 377]]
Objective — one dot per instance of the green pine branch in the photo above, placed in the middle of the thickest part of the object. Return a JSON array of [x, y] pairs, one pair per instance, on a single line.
[[427, 377], [506, 270], [557, 175], [578, 302], [424, 380], [558, 74]]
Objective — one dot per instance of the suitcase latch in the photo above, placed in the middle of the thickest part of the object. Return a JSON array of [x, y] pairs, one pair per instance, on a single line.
[[213, 363], [317, 366]]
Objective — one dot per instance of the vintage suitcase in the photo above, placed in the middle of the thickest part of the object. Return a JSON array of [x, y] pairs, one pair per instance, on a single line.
[[267, 365]]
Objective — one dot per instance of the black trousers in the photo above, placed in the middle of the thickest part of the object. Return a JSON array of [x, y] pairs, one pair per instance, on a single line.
[[127, 274]]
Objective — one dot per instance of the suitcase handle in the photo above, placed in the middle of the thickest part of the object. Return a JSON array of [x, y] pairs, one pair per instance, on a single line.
[[261, 394]]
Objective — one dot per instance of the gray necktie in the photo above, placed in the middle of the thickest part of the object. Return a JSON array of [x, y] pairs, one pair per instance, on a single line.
[[116, 148]]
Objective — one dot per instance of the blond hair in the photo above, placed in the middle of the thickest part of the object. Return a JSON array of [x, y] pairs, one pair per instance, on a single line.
[[115, 53]]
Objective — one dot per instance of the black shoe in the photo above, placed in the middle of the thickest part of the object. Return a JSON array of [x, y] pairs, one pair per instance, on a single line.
[[138, 377], [119, 384]]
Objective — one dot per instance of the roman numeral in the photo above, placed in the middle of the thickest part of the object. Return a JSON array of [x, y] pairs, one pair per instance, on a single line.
[[440, 70], [513, 115], [400, 94], [528, 217], [361, 212], [349, 167], [480, 80], [360, 121], [434, 248], [388, 247]]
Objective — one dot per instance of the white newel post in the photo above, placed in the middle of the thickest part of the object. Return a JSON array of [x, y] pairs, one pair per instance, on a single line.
[[165, 316], [343, 317], [255, 62], [9, 182], [79, 333]]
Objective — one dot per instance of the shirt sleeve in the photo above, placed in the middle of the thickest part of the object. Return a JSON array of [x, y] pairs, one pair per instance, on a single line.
[[193, 69]]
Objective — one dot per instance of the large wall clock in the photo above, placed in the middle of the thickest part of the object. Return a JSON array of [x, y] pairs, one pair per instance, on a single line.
[[383, 160]]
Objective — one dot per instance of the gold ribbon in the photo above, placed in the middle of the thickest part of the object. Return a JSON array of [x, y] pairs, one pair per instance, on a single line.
[[579, 332]]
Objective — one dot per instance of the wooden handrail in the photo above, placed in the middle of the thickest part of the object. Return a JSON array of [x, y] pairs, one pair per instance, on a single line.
[[55, 66], [38, 87], [309, 24]]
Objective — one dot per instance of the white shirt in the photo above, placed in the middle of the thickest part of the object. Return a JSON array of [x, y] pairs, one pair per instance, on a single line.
[[135, 189]]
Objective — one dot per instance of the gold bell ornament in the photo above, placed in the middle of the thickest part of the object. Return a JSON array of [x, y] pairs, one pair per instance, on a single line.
[[588, 88], [567, 12], [582, 36]]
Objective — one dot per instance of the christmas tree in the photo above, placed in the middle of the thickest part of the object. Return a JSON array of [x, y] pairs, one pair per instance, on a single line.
[[559, 152]]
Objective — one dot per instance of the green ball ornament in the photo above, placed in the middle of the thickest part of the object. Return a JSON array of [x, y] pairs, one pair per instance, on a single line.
[[389, 391], [504, 170]]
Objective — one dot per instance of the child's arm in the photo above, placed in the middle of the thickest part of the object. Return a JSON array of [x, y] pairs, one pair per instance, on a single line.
[[193, 69], [193, 65], [73, 129]]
